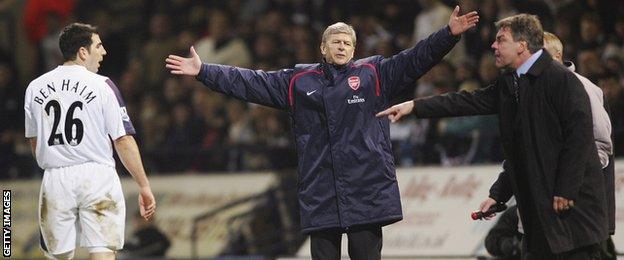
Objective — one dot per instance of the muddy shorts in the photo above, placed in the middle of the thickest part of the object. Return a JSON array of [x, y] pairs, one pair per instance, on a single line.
[[81, 205]]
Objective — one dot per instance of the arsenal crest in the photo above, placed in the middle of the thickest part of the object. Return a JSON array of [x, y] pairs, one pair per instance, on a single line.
[[354, 82]]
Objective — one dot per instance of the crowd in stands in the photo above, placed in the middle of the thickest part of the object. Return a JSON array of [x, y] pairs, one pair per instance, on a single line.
[[184, 127]]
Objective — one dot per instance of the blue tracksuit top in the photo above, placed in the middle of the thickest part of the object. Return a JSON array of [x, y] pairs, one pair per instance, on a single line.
[[346, 167]]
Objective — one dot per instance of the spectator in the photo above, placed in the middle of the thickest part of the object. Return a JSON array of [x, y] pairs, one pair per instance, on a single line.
[[50, 52], [614, 94], [466, 140], [432, 17], [11, 116], [240, 134], [160, 43], [487, 70], [220, 45], [36, 13], [115, 39], [284, 29], [590, 65], [592, 36]]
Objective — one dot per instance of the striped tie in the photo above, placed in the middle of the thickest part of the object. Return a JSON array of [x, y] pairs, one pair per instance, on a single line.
[[516, 87]]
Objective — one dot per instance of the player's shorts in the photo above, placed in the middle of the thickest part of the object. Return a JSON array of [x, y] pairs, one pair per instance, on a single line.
[[83, 200]]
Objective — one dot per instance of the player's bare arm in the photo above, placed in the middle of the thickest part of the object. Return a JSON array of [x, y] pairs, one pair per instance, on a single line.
[[33, 146], [128, 152]]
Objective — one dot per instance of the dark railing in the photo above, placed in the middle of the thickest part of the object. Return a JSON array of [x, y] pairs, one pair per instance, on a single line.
[[261, 198], [225, 158], [270, 225]]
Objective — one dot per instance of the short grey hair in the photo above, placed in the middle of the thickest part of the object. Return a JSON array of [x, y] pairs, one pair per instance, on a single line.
[[337, 28], [524, 27]]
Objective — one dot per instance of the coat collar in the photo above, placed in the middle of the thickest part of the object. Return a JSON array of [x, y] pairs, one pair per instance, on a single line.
[[540, 65], [328, 66], [331, 70], [570, 65]]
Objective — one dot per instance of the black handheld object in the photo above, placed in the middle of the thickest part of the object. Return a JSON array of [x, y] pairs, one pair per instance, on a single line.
[[498, 207]]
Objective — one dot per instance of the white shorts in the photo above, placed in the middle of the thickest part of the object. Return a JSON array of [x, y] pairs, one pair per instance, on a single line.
[[83, 199]]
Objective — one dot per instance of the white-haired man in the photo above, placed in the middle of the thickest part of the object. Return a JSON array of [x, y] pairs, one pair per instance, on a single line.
[[347, 181]]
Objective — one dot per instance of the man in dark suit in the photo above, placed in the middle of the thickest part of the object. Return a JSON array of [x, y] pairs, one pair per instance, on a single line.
[[602, 135], [551, 167]]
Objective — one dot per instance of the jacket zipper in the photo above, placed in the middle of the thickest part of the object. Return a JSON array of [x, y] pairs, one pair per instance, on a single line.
[[331, 151]]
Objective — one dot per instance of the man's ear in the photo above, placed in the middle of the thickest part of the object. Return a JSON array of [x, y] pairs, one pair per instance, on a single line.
[[323, 49], [560, 56], [522, 47], [82, 53]]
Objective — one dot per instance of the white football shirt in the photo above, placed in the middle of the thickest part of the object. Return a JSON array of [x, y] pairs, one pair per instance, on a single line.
[[72, 112]]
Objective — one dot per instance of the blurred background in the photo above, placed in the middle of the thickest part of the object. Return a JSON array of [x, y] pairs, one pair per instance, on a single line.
[[229, 164]]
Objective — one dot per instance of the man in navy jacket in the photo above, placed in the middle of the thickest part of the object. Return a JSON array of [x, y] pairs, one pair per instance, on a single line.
[[347, 181]]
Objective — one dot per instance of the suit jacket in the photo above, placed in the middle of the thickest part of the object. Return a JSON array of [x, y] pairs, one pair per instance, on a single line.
[[609, 175], [560, 158]]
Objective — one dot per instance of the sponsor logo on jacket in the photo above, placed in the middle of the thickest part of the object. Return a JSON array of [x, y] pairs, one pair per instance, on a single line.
[[356, 99]]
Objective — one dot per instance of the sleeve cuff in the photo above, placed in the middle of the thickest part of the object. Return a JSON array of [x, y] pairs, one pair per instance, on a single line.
[[418, 108], [202, 72], [450, 34], [498, 199], [566, 195]]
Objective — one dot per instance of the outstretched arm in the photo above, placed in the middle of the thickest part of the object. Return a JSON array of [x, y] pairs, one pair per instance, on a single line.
[[256, 86], [128, 152], [33, 146], [403, 69], [463, 103]]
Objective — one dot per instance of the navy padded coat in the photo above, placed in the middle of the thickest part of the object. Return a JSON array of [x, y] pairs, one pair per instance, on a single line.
[[346, 167]]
